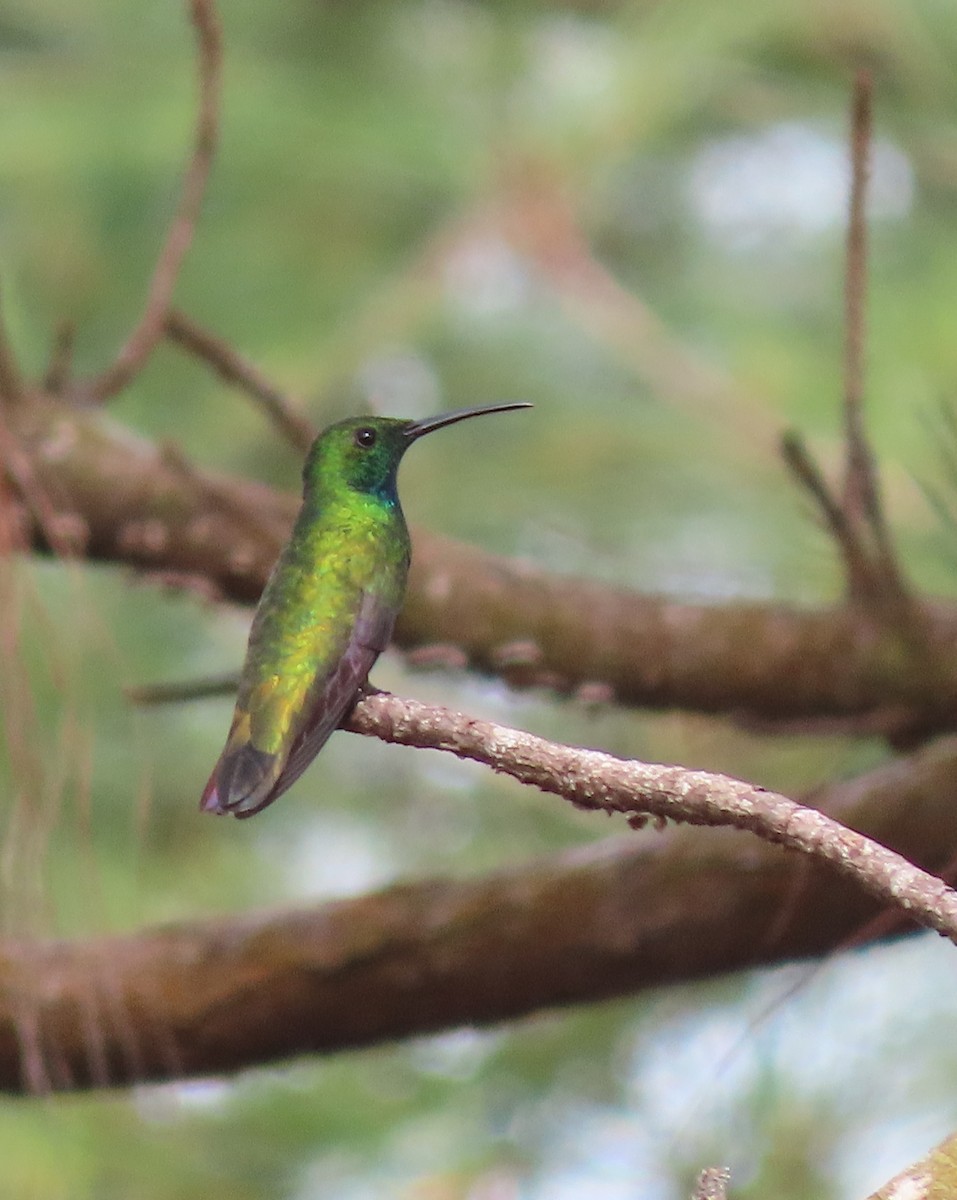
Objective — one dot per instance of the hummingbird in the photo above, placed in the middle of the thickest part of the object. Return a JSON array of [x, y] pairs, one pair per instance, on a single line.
[[327, 610]]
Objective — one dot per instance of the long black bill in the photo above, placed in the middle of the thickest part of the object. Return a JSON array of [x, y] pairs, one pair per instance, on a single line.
[[418, 428]]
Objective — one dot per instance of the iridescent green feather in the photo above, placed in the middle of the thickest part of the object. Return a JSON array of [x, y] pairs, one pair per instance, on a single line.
[[326, 612]]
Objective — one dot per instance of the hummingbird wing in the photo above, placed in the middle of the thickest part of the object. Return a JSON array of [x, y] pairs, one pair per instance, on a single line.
[[370, 637], [246, 779]]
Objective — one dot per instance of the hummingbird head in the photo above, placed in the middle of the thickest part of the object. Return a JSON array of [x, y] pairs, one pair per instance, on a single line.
[[363, 453]]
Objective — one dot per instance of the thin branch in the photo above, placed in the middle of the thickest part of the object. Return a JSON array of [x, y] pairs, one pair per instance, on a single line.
[[596, 781], [142, 340], [11, 378], [798, 459], [862, 500], [593, 780], [856, 520], [230, 366], [858, 482], [58, 371], [149, 695]]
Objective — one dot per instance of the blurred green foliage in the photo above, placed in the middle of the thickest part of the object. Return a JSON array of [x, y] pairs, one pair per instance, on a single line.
[[353, 243]]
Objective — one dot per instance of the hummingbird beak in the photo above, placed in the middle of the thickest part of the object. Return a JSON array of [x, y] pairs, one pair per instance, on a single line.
[[417, 428]]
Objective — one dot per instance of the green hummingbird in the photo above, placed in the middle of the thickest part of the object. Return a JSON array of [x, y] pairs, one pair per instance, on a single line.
[[326, 612]]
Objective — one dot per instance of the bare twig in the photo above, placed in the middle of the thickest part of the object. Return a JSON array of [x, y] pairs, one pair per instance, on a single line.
[[11, 378], [149, 695], [593, 780], [856, 520], [797, 458], [142, 340], [233, 368], [61, 359], [862, 500], [858, 482]]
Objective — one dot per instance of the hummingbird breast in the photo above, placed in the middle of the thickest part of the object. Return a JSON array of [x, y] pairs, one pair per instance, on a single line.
[[311, 605]]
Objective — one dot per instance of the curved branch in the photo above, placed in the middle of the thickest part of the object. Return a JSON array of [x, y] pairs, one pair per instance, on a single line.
[[149, 329], [596, 781], [608, 919]]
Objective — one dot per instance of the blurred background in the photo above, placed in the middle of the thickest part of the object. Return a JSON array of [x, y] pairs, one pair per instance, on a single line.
[[633, 216]]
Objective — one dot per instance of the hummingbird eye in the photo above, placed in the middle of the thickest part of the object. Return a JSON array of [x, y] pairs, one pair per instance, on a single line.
[[364, 437]]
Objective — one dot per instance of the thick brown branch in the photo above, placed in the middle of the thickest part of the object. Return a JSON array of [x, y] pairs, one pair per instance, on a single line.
[[135, 505], [635, 912], [64, 536], [149, 329]]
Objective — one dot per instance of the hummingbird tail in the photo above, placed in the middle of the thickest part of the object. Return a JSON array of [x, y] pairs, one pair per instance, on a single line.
[[247, 779], [242, 781]]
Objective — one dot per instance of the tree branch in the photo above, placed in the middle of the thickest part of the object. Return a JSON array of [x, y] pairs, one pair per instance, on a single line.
[[712, 1184], [845, 532], [135, 505], [862, 499], [608, 919], [595, 781], [856, 520], [858, 480], [149, 329], [933, 1177], [230, 366]]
